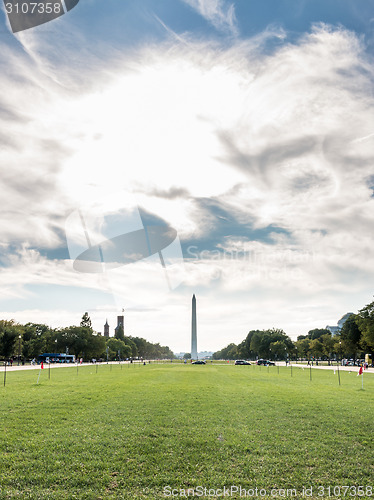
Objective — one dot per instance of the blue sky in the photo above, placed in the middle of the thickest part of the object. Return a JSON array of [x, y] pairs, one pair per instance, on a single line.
[[247, 126]]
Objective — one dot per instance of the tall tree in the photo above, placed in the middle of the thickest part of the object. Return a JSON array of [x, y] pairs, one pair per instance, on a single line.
[[262, 340], [350, 335], [86, 321], [244, 348], [9, 332], [328, 344], [365, 321], [303, 347], [118, 346], [316, 348], [229, 352], [119, 333], [278, 350], [317, 333], [36, 339]]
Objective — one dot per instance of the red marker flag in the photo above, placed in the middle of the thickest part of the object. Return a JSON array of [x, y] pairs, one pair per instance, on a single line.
[[359, 371], [41, 365]]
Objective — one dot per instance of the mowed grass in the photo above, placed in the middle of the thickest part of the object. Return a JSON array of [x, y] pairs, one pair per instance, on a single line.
[[129, 432]]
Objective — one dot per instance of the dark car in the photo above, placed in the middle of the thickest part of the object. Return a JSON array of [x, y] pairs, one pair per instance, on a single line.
[[242, 362], [198, 362], [265, 362]]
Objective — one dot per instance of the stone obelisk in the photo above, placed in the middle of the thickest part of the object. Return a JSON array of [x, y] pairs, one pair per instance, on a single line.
[[193, 330]]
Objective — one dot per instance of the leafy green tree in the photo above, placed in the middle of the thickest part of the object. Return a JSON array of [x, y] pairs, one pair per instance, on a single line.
[[119, 333], [244, 348], [134, 350], [365, 321], [350, 335], [80, 341], [149, 350], [317, 333], [187, 355], [261, 341], [96, 346], [115, 346], [316, 348], [278, 350], [141, 346], [9, 332], [36, 338], [86, 321], [229, 352], [328, 344], [302, 337], [303, 347]]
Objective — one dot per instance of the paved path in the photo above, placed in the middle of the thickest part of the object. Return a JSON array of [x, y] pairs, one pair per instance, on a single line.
[[53, 365], [335, 367], [353, 369]]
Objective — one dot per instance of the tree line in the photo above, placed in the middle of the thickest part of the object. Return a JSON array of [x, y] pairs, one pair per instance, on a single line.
[[32, 339], [355, 338]]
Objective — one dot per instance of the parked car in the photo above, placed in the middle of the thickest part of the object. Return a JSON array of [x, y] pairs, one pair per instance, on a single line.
[[265, 362], [198, 362], [242, 362]]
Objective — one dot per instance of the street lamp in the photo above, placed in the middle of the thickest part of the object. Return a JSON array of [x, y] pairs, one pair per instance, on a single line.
[[19, 348]]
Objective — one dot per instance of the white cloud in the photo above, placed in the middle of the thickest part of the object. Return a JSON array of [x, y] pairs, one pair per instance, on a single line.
[[220, 14], [282, 139]]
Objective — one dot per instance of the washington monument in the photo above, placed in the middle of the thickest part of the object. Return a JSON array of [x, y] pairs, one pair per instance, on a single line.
[[193, 330]]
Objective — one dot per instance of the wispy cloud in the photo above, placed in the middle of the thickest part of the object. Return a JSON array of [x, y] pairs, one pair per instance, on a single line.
[[218, 12], [220, 142]]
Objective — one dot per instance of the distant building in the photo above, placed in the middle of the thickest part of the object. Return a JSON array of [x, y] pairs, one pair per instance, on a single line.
[[335, 329], [106, 329], [343, 319], [179, 354], [120, 323], [205, 354]]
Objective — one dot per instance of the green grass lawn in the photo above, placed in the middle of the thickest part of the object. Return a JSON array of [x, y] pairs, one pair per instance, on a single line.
[[130, 432]]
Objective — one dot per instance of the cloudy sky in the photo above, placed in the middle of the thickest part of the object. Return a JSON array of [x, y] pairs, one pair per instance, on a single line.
[[247, 126]]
